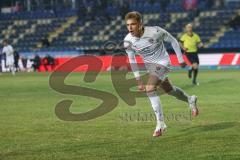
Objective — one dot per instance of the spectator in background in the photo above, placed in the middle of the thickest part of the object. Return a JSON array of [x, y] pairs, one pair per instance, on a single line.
[[9, 51], [36, 62], [48, 61], [20, 64], [16, 58], [29, 65], [24, 62]]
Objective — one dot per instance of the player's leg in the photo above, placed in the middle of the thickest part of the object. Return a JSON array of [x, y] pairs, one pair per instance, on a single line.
[[178, 93], [195, 72], [16, 65], [190, 69], [12, 68], [156, 104], [195, 64], [153, 97], [174, 91], [10, 64]]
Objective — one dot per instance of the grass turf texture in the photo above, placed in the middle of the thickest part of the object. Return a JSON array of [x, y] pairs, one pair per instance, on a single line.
[[29, 129]]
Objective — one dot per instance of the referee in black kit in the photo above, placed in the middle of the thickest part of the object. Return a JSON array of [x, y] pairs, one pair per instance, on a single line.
[[190, 42]]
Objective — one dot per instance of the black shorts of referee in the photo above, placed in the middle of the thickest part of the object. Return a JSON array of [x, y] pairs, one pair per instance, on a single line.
[[192, 57]]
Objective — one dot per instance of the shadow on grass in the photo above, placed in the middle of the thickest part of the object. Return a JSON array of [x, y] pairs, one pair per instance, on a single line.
[[188, 86], [212, 127], [214, 81]]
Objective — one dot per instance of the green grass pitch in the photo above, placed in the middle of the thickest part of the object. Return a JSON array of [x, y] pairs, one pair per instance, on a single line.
[[30, 130]]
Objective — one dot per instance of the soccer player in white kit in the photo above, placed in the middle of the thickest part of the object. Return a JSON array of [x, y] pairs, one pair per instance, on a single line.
[[8, 50], [147, 41]]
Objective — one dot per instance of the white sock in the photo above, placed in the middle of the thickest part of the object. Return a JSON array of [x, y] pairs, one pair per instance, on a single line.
[[160, 125], [156, 105], [12, 70]]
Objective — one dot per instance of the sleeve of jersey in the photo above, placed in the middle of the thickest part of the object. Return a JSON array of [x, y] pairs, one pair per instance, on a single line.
[[169, 38], [198, 39], [182, 38], [133, 64]]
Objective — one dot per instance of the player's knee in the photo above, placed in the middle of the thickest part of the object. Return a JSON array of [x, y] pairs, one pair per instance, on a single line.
[[167, 86], [150, 88], [195, 65], [167, 89]]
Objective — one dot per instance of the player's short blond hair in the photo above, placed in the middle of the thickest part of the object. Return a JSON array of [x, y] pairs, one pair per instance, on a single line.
[[134, 15]]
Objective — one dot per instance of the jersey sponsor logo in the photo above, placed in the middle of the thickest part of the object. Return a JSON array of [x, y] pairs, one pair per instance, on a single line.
[[151, 40]]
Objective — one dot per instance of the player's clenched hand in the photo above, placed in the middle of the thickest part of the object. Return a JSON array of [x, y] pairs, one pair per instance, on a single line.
[[141, 86], [183, 64]]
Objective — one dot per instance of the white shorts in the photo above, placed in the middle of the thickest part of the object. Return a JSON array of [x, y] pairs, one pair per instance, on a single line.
[[157, 70], [9, 60]]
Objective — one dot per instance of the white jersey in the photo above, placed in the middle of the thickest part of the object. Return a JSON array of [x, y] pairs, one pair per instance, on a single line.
[[150, 46], [8, 50]]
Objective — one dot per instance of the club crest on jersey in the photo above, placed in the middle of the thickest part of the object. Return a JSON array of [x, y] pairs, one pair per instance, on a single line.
[[151, 40], [158, 68]]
